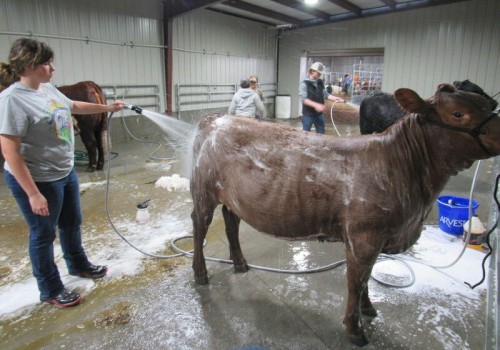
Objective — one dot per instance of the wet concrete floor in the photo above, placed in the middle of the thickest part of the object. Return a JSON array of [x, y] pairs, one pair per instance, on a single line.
[[150, 303]]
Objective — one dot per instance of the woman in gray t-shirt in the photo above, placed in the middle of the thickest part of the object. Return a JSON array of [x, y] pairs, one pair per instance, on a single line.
[[37, 142]]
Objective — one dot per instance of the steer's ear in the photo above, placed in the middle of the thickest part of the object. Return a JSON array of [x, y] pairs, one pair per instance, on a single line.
[[410, 101]]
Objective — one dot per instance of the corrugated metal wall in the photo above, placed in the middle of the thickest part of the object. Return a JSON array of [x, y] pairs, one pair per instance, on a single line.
[[211, 48], [111, 23], [422, 47], [208, 48]]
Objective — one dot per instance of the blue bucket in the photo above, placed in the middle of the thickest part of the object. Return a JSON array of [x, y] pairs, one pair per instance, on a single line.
[[454, 213]]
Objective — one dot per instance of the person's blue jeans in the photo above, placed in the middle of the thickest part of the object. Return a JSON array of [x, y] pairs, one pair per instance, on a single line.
[[63, 197], [318, 121]]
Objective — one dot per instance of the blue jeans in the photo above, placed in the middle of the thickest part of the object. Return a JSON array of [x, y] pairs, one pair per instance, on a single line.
[[318, 121], [63, 197]]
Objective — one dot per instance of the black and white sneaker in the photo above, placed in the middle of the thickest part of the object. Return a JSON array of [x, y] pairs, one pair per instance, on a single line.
[[93, 272], [65, 299]]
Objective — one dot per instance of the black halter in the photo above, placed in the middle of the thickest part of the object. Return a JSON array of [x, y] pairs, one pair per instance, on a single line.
[[474, 132]]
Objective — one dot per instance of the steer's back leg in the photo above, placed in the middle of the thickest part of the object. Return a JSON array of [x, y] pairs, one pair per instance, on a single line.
[[100, 136], [360, 261], [88, 138], [232, 222], [202, 216], [367, 308]]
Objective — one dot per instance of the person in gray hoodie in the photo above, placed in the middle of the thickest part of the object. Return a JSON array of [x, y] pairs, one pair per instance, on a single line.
[[246, 102]]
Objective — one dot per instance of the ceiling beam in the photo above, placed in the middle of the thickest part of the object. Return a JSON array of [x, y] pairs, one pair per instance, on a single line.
[[173, 8], [300, 6], [349, 6], [245, 6], [391, 3]]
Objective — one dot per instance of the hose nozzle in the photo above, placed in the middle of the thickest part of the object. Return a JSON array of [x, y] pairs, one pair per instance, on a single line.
[[136, 109]]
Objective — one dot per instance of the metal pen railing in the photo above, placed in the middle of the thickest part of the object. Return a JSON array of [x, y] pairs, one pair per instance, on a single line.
[[212, 95], [146, 96]]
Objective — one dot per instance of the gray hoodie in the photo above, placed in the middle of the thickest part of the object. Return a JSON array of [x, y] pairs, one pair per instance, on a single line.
[[246, 103]]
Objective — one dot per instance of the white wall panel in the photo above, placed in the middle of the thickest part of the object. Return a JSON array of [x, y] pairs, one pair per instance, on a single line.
[[124, 21], [234, 49], [423, 47]]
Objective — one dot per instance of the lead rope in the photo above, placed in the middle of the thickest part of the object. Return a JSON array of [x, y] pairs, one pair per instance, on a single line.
[[474, 132]]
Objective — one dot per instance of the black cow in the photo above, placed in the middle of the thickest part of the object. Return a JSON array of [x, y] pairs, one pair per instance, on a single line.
[[380, 110]]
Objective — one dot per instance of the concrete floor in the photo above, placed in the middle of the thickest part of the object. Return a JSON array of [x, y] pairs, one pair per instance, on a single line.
[[155, 304]]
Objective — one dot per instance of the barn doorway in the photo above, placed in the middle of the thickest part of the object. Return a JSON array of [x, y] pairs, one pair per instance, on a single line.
[[365, 66]]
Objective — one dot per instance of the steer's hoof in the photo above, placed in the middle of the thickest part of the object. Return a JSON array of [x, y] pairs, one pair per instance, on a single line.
[[359, 339], [241, 268], [369, 311], [201, 280], [100, 166], [91, 169]]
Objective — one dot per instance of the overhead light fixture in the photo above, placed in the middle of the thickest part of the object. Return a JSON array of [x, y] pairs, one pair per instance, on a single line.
[[311, 2], [284, 26]]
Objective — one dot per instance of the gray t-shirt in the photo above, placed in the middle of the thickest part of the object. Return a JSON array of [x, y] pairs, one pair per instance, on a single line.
[[42, 118]]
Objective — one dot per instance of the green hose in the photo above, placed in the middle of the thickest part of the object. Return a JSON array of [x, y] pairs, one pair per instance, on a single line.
[[82, 158]]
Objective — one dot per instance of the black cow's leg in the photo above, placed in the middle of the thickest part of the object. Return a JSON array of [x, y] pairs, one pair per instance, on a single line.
[[232, 223], [202, 216], [360, 261]]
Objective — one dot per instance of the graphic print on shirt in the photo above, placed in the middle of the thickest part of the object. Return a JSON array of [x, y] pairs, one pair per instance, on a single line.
[[60, 118]]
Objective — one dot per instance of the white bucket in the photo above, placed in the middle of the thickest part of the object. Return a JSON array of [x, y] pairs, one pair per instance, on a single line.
[[283, 105]]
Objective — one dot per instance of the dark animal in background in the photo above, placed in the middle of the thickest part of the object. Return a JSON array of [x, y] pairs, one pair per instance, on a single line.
[[380, 110], [92, 127], [469, 86], [372, 192], [377, 112]]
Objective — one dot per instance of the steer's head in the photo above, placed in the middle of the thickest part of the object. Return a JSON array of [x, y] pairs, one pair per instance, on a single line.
[[460, 111]]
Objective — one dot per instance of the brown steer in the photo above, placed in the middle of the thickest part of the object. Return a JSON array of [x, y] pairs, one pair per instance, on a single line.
[[92, 127], [371, 192]]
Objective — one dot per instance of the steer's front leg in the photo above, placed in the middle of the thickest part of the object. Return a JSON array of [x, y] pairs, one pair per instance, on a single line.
[[359, 267], [367, 308]]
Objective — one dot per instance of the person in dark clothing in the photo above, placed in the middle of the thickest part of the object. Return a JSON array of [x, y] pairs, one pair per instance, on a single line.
[[312, 93], [346, 82]]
